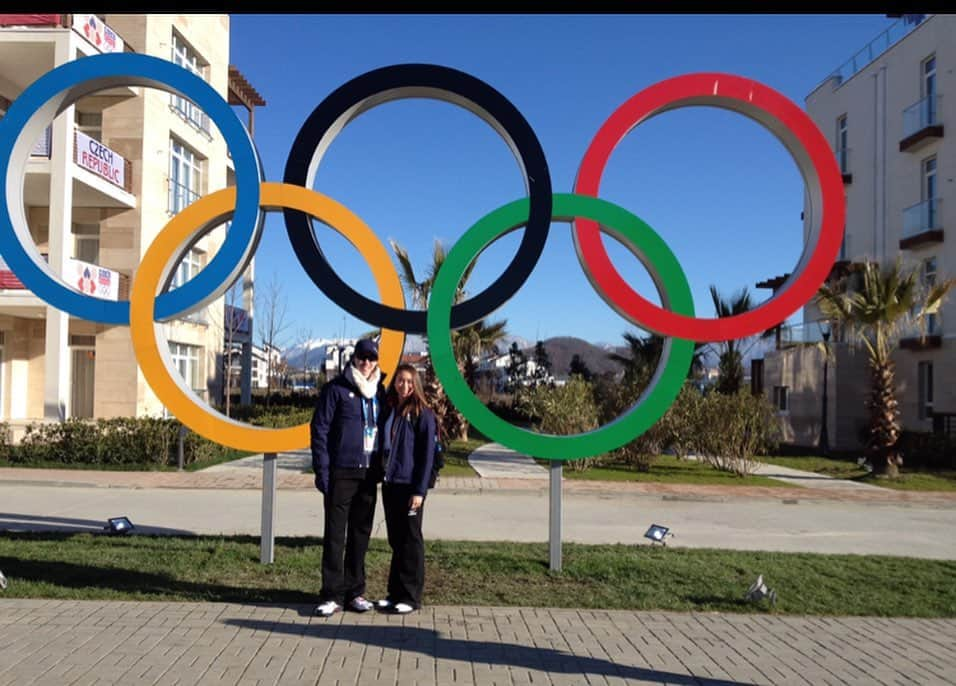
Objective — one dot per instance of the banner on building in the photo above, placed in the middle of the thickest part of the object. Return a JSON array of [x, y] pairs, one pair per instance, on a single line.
[[8, 280], [91, 279], [97, 158], [96, 32], [30, 19]]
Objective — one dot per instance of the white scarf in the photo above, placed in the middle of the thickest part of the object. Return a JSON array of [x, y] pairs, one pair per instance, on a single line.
[[367, 387]]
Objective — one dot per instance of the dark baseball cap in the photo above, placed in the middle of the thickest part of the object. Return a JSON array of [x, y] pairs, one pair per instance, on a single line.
[[366, 348]]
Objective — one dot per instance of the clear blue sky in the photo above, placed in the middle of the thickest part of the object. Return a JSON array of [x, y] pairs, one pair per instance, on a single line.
[[721, 190]]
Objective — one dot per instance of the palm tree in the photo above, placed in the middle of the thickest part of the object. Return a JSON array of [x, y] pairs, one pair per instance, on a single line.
[[468, 343], [421, 290], [730, 362], [645, 352], [887, 303], [471, 341]]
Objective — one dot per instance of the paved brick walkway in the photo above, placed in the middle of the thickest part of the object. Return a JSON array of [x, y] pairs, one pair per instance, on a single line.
[[85, 642]]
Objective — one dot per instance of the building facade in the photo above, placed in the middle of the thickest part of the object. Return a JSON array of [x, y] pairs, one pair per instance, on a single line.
[[886, 113], [163, 153]]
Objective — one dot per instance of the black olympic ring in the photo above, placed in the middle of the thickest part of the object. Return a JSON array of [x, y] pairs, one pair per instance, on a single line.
[[418, 81]]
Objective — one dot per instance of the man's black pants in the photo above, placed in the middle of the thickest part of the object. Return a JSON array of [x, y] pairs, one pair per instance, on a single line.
[[349, 512], [406, 576]]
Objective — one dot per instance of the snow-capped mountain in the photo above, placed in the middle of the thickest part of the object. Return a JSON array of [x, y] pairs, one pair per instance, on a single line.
[[311, 353]]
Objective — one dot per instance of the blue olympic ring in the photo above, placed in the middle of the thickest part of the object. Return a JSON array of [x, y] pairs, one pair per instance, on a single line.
[[57, 90]]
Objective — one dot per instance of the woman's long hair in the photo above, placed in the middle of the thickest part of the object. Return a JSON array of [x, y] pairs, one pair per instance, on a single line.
[[413, 404]]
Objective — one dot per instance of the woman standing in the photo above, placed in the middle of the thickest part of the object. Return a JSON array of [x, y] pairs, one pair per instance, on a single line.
[[408, 453]]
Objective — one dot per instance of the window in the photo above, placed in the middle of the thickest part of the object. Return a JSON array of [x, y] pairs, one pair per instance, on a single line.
[[90, 123], [185, 56], [928, 88], [82, 376], [781, 398], [185, 176], [86, 242], [841, 148], [925, 374], [928, 278], [191, 264], [929, 178], [929, 192], [186, 360], [929, 272]]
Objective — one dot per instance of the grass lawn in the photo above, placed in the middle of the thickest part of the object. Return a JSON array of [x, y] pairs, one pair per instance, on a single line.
[[226, 569], [669, 469], [941, 480], [456, 457], [840, 469]]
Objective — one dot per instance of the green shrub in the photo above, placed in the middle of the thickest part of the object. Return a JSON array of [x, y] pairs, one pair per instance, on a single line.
[[73, 441], [681, 426], [928, 450], [563, 410], [275, 416], [6, 442], [614, 398], [280, 418], [140, 441], [732, 429]]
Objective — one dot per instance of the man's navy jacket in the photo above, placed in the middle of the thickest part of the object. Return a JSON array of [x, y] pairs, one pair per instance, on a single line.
[[338, 429]]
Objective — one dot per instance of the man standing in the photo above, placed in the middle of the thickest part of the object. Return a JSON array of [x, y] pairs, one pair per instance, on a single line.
[[344, 439]]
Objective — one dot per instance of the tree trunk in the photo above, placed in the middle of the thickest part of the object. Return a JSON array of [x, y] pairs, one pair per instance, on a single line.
[[884, 420]]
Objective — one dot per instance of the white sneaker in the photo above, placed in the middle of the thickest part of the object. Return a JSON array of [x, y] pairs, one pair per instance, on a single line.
[[402, 608], [328, 608], [383, 604], [360, 604]]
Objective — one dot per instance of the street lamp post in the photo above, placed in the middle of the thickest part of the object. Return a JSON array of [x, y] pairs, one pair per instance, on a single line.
[[824, 434]]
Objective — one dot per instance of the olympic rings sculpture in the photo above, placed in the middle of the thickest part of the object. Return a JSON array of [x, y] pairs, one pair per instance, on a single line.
[[247, 202]]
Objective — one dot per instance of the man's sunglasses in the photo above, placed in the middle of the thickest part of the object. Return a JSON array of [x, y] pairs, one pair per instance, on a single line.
[[366, 358]]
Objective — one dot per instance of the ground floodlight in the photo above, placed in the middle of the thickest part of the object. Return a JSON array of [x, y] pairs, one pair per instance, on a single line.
[[3, 582], [758, 591], [119, 525], [657, 533]]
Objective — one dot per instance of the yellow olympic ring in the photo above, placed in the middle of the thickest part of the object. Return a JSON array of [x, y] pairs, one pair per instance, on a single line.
[[181, 229]]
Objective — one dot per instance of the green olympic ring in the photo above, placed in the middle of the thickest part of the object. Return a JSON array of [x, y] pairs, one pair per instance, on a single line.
[[671, 284]]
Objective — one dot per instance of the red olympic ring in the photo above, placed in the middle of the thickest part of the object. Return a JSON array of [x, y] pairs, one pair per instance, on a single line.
[[795, 130]]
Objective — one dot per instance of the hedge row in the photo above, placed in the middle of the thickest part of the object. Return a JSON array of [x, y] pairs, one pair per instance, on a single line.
[[119, 441], [132, 440]]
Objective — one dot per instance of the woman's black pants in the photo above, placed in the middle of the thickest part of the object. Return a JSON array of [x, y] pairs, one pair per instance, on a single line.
[[406, 577]]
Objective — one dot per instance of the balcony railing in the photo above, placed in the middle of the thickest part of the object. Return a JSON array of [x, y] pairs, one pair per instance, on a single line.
[[876, 47], [810, 332], [921, 217], [190, 113], [180, 196], [923, 335], [920, 115]]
